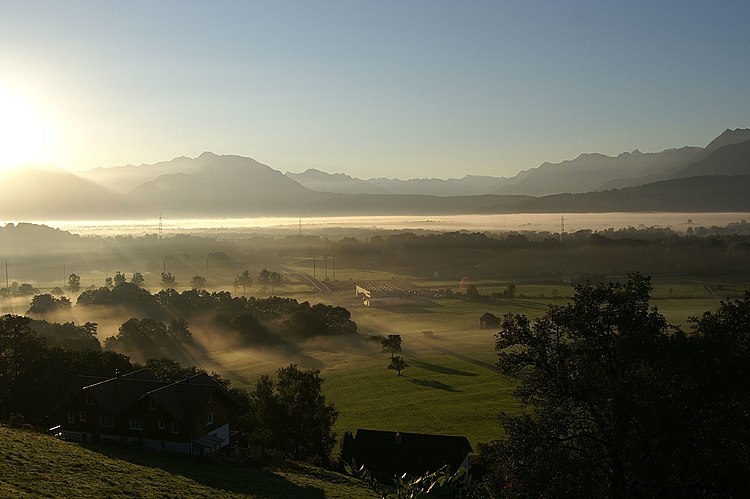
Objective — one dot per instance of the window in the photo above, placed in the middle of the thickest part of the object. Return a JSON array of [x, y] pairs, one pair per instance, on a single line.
[[151, 404], [82, 416], [71, 418], [162, 423], [210, 418], [107, 421], [135, 424], [89, 400], [175, 427]]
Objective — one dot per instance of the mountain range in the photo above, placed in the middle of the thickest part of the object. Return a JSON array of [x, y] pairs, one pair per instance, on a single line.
[[711, 178], [587, 172]]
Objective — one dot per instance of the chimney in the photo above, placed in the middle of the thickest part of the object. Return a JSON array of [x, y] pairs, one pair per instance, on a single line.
[[397, 439]]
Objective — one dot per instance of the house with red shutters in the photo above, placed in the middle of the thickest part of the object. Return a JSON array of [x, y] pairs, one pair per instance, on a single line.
[[187, 417]]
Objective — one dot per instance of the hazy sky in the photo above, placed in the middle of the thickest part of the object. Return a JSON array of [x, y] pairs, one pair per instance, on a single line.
[[404, 88]]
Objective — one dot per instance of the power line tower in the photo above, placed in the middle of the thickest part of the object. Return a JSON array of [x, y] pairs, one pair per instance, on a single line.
[[562, 225]]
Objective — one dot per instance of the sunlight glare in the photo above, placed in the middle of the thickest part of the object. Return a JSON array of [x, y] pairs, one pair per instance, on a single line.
[[24, 134]]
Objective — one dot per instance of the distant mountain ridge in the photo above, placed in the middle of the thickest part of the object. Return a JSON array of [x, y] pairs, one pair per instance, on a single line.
[[587, 172], [687, 179], [469, 185]]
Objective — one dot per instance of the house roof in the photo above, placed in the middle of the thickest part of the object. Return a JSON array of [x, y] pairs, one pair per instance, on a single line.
[[117, 394], [415, 453], [488, 315], [186, 399]]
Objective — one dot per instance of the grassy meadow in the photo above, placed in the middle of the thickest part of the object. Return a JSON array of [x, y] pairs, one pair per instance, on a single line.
[[37, 465], [450, 386]]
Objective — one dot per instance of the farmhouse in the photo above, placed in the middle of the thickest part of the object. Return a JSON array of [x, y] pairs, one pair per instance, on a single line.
[[388, 453], [187, 417], [488, 321]]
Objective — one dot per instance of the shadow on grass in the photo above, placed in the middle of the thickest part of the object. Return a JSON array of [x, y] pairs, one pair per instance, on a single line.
[[406, 309], [436, 368], [429, 383], [231, 478]]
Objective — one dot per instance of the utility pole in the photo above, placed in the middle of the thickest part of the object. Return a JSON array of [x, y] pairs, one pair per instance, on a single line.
[[7, 286], [314, 267], [334, 266], [161, 227], [65, 276], [325, 267]]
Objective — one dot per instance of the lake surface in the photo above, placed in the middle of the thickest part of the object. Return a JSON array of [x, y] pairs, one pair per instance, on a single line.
[[484, 223]]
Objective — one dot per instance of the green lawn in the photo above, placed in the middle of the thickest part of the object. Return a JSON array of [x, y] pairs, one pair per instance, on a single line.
[[36, 465]]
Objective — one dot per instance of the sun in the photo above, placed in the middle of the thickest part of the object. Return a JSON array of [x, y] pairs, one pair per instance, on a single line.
[[25, 134]]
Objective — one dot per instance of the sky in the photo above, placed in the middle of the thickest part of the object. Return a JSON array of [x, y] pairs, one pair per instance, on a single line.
[[387, 88]]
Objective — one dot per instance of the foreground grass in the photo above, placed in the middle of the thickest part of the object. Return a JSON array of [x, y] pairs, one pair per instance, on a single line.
[[36, 465]]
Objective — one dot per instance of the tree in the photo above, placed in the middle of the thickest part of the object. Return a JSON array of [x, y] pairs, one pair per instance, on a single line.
[[264, 276], [290, 414], [472, 292], [391, 344], [26, 289], [74, 283], [198, 282], [621, 404], [510, 291], [168, 281], [43, 304], [137, 279], [119, 278], [398, 363], [243, 279]]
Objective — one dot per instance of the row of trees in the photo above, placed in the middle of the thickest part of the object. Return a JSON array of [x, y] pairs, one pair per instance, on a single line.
[[168, 280], [297, 319]]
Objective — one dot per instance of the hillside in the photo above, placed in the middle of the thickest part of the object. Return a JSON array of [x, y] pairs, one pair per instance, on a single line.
[[36, 465], [732, 159]]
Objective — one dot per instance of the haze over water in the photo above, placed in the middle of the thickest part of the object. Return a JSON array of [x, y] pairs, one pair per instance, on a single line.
[[538, 222]]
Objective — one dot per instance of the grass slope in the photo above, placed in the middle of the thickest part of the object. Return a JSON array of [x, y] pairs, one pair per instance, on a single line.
[[36, 465]]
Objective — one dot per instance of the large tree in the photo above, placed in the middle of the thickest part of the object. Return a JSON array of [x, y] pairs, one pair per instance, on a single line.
[[290, 414], [622, 405]]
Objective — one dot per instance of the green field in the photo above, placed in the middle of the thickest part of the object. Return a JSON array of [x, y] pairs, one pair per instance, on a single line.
[[37, 465], [450, 387]]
